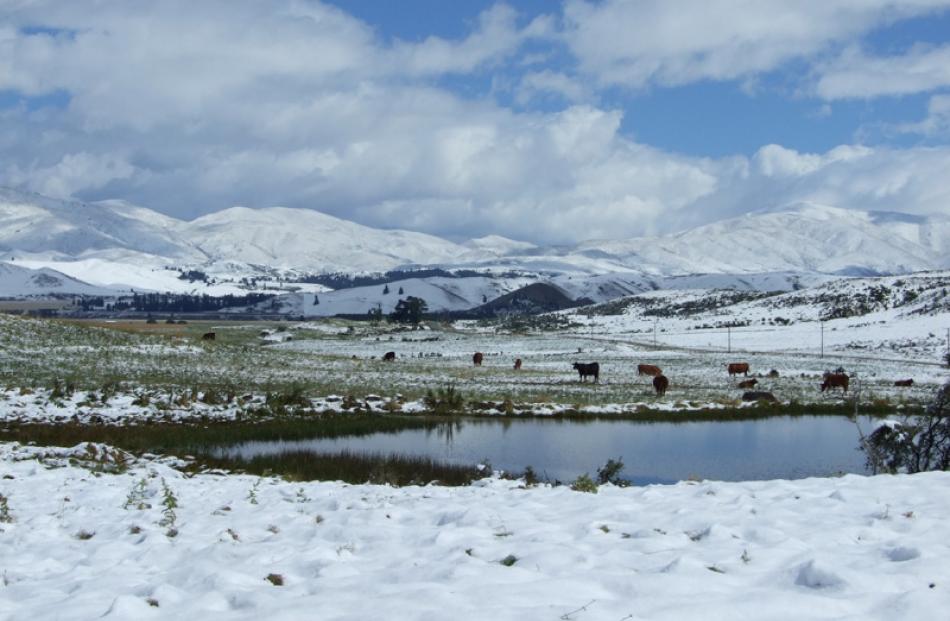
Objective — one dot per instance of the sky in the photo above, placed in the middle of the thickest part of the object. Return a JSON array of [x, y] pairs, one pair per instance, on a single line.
[[536, 120]]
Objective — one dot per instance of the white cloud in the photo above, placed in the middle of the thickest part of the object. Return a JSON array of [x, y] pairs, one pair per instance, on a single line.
[[548, 82], [73, 172], [937, 121], [192, 107], [653, 42], [856, 75]]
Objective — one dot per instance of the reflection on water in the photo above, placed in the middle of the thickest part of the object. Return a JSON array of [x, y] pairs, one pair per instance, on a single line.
[[772, 448]]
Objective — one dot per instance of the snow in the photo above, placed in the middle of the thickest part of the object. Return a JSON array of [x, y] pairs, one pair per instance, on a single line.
[[20, 280], [86, 540], [113, 243]]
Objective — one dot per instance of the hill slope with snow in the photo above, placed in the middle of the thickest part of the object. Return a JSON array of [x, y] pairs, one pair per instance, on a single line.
[[803, 241]]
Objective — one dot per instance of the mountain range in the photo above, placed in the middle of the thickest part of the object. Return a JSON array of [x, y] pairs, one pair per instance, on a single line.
[[119, 245]]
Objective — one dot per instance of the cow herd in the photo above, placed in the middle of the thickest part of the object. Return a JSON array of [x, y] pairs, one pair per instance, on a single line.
[[830, 380]]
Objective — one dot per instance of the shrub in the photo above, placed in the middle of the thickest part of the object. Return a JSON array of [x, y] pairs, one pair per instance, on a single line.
[[584, 483], [610, 473], [444, 401], [5, 510], [913, 443]]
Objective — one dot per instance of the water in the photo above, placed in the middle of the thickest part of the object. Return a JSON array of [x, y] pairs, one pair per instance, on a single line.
[[772, 448]]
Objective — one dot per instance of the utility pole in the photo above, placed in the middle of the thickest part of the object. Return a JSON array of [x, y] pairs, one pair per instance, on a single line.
[[822, 338], [655, 319], [729, 339]]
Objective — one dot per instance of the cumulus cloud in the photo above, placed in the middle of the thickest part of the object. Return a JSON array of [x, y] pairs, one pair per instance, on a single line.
[[192, 107]]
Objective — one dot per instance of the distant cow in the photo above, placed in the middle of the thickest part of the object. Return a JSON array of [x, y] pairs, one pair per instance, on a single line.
[[207, 336], [759, 395], [477, 359], [648, 369], [736, 368], [905, 383], [591, 368], [773, 373], [835, 380], [389, 356], [749, 383], [660, 384], [517, 364]]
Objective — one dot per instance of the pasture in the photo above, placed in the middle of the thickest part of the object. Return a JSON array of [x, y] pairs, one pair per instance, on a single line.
[[335, 357]]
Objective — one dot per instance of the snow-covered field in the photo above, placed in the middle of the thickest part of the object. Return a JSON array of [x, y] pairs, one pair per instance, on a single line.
[[80, 542]]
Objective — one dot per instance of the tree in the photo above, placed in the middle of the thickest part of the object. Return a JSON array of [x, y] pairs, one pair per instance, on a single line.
[[409, 310], [316, 299], [385, 289], [913, 443], [400, 290], [376, 314]]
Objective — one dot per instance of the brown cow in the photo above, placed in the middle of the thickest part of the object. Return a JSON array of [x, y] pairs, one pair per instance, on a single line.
[[517, 364], [835, 380], [477, 359], [389, 356], [648, 369], [906, 383], [736, 368], [749, 383], [207, 336], [759, 395], [660, 384]]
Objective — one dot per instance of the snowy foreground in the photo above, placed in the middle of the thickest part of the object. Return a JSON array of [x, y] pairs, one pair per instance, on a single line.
[[80, 544]]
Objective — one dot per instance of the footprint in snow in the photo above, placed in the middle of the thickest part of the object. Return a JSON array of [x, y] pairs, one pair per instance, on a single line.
[[901, 554]]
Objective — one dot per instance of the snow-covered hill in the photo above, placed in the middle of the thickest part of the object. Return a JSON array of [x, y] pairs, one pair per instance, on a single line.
[[306, 239], [113, 243], [16, 281], [803, 238]]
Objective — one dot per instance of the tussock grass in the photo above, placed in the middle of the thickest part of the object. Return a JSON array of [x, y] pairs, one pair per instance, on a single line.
[[350, 467]]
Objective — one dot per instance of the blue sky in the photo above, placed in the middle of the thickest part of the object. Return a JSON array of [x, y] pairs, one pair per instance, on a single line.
[[537, 120]]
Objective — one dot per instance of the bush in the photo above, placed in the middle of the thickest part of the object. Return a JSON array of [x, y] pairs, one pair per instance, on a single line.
[[444, 401], [913, 443], [610, 473], [584, 483]]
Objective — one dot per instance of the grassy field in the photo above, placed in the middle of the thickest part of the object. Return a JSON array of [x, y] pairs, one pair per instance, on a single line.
[[340, 358]]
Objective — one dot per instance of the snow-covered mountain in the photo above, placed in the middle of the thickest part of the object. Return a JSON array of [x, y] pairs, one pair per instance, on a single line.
[[17, 281], [117, 244], [803, 238], [306, 239]]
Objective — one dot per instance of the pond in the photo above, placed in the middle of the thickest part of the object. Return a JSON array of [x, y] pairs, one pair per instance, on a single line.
[[653, 452]]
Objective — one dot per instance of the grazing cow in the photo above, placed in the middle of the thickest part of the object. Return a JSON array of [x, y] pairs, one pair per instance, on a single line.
[[648, 369], [736, 368], [660, 384], [835, 380], [389, 356], [759, 395], [773, 374], [477, 359], [906, 383], [591, 368], [207, 336], [517, 364], [749, 383]]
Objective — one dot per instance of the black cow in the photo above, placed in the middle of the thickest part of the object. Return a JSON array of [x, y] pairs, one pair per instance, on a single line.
[[590, 368]]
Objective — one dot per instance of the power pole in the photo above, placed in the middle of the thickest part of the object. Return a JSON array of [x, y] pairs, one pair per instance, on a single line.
[[655, 319], [729, 339], [822, 338]]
